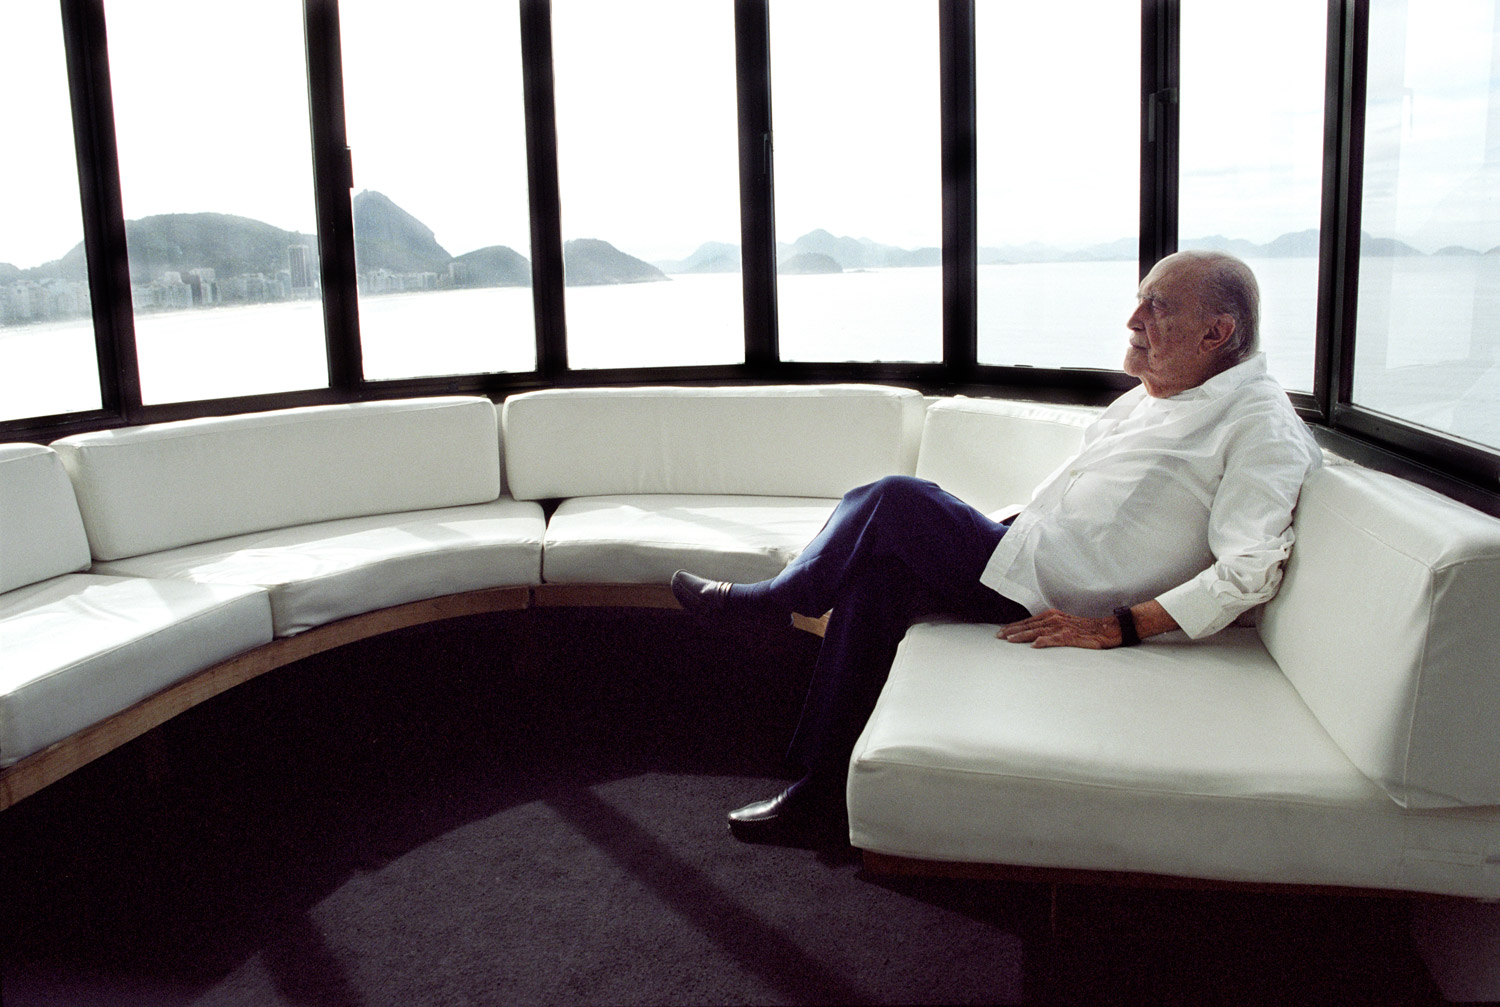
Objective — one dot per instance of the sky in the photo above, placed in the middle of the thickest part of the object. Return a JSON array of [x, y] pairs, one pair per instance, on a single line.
[[645, 101]]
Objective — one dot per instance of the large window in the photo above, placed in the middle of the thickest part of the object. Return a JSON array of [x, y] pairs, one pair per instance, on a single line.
[[1428, 339], [837, 110], [1251, 162], [1058, 107], [47, 358], [215, 161], [434, 114], [648, 164], [855, 113]]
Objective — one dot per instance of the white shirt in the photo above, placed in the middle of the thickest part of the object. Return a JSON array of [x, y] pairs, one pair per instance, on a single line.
[[1187, 500]]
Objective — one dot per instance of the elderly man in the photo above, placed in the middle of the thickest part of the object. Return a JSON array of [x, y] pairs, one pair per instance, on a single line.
[[1175, 514]]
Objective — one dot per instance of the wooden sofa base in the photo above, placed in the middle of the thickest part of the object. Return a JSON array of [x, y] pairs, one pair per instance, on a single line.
[[890, 865], [51, 764]]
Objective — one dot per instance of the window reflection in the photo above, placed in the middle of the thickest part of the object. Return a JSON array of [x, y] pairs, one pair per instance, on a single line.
[[648, 165], [48, 362], [434, 116], [1058, 108], [1251, 159], [855, 112], [211, 115], [1428, 337]]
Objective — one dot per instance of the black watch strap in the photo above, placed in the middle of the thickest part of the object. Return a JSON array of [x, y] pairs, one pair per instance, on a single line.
[[1128, 635]]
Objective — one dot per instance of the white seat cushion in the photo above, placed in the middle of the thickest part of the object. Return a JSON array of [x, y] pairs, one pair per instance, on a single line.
[[643, 539], [991, 453], [318, 573], [1178, 758], [148, 488], [41, 532], [802, 440], [79, 648], [1386, 623]]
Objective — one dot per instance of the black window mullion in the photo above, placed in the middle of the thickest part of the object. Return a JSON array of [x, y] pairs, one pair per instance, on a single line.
[[103, 210], [752, 46], [1160, 75], [960, 190], [1335, 381], [332, 181], [546, 214]]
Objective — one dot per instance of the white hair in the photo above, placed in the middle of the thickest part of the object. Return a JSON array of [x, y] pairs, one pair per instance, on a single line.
[[1229, 288]]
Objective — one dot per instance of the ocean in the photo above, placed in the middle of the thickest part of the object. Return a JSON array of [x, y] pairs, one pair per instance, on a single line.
[[1040, 314]]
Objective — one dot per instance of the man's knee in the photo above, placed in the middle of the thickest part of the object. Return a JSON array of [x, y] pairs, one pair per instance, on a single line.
[[900, 487]]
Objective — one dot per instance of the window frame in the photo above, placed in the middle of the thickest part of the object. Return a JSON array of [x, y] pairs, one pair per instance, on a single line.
[[1459, 469]]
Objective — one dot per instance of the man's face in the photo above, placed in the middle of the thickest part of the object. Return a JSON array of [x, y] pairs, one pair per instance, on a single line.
[[1174, 342]]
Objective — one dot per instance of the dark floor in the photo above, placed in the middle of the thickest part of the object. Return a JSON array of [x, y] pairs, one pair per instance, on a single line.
[[527, 808]]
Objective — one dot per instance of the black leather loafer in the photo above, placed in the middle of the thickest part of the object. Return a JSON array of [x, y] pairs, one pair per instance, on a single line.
[[699, 596], [796, 816]]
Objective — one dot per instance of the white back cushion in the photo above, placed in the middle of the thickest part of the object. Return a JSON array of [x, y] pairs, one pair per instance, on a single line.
[[991, 453], [144, 489], [800, 441], [1388, 624], [41, 532]]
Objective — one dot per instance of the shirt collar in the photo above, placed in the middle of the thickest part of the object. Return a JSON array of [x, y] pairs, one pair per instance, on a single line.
[[1225, 381]]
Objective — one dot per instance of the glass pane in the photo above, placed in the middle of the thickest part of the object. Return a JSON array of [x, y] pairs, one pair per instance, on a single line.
[[1428, 337], [648, 163], [442, 233], [216, 177], [855, 108], [1058, 105], [48, 362], [1251, 167]]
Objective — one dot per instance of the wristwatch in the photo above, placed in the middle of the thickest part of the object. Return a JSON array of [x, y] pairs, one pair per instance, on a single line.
[[1128, 635]]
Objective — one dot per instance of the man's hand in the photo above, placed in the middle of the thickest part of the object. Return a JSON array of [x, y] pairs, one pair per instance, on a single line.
[[1058, 629]]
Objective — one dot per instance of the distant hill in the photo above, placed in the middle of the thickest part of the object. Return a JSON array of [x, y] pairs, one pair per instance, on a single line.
[[590, 262], [858, 253], [809, 262], [495, 266], [387, 237], [709, 257], [1369, 245], [229, 245]]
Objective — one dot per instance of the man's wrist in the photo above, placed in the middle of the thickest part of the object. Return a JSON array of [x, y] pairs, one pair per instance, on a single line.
[[1129, 636]]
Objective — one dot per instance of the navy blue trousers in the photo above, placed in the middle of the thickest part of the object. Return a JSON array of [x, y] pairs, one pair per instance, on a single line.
[[892, 551]]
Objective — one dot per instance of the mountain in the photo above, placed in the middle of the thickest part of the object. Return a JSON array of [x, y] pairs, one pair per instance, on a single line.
[[179, 242], [590, 262], [1301, 245], [387, 237], [495, 266], [1126, 250], [1373, 246], [808, 262], [857, 253], [710, 257]]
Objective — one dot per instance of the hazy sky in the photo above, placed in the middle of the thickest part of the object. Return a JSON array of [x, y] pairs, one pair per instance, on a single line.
[[211, 115]]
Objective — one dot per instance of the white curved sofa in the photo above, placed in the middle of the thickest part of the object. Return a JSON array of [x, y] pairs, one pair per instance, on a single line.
[[1346, 740]]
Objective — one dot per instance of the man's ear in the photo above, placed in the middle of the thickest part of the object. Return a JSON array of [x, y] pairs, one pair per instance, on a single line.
[[1219, 334]]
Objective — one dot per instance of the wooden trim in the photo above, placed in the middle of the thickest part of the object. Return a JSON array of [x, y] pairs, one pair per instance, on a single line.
[[603, 596], [51, 764], [889, 864]]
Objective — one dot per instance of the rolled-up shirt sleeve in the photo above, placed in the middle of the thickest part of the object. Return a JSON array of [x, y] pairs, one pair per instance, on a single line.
[[1249, 531]]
